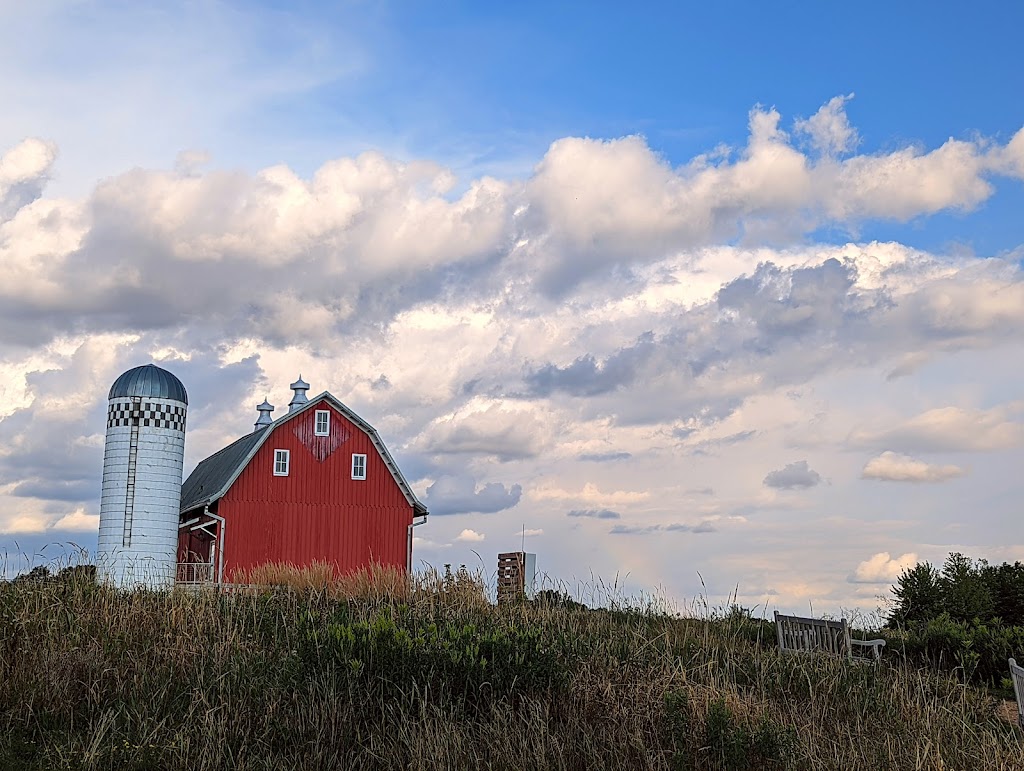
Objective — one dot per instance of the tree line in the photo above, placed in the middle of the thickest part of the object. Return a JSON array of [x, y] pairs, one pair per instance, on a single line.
[[966, 618], [965, 589]]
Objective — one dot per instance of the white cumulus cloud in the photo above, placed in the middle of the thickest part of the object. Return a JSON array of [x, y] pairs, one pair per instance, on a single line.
[[882, 568], [24, 171], [950, 429], [78, 521], [829, 128], [894, 467]]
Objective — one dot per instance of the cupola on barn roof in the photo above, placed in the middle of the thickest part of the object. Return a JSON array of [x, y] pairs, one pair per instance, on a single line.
[[300, 387], [149, 380]]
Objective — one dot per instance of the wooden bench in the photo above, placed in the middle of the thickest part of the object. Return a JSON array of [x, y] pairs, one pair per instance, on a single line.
[[1017, 675], [819, 635]]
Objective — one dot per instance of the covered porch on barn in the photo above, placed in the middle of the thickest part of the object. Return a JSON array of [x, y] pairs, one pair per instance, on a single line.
[[200, 548]]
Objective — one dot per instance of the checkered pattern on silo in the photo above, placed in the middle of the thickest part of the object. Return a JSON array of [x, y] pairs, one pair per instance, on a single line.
[[150, 413]]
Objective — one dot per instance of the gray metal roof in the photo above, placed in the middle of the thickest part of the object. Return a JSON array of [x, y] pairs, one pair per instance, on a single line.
[[210, 479], [149, 380], [213, 477]]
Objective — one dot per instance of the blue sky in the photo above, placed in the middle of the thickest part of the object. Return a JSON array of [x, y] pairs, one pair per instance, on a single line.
[[740, 274]]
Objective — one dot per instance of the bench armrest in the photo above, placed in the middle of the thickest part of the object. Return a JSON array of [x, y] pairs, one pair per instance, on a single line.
[[875, 645]]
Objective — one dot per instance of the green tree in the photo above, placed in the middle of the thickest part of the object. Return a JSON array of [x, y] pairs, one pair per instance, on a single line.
[[1006, 586], [918, 594], [965, 593]]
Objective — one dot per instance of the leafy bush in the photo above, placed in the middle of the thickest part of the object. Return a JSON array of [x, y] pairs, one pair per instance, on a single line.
[[464, 663], [553, 598], [725, 741], [736, 746], [974, 651]]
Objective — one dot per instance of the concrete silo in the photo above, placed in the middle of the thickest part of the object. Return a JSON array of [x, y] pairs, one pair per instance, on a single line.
[[142, 464]]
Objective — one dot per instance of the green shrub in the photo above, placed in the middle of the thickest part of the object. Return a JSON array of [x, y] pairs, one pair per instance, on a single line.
[[463, 662], [974, 651], [736, 747]]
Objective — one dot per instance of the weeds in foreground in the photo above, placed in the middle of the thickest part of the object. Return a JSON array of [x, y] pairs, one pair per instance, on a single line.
[[382, 671]]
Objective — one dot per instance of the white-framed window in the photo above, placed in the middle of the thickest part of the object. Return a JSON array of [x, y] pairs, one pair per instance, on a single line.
[[323, 423], [358, 466], [281, 462]]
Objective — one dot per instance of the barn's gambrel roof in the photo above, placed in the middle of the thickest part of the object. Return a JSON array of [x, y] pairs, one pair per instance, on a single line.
[[213, 477]]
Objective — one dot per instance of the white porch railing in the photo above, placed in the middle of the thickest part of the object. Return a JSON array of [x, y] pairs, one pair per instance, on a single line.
[[195, 573]]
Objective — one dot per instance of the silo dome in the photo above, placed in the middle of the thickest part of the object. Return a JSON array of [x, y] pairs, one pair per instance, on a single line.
[[149, 380], [142, 462]]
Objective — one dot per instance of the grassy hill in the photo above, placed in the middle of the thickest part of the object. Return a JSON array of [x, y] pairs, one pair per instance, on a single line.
[[377, 672]]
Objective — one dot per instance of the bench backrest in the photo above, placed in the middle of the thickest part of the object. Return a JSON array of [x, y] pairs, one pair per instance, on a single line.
[[813, 635], [1017, 675]]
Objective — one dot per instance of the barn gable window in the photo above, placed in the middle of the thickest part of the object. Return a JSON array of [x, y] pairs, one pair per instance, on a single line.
[[323, 423], [358, 466], [281, 462]]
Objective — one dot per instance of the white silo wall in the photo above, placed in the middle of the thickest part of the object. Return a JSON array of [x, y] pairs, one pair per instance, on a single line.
[[138, 536]]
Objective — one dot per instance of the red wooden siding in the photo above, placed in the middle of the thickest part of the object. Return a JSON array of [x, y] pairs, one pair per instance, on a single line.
[[320, 446], [317, 512]]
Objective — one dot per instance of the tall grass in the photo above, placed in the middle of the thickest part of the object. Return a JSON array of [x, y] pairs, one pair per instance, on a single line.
[[381, 671]]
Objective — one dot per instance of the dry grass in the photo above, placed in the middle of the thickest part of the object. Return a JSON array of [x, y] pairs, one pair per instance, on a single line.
[[371, 587], [380, 671]]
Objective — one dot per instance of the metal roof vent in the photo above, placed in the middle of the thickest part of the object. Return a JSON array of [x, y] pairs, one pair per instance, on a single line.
[[264, 419], [300, 387]]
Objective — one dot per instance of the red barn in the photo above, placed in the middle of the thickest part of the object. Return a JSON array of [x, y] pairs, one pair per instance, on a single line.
[[317, 484]]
